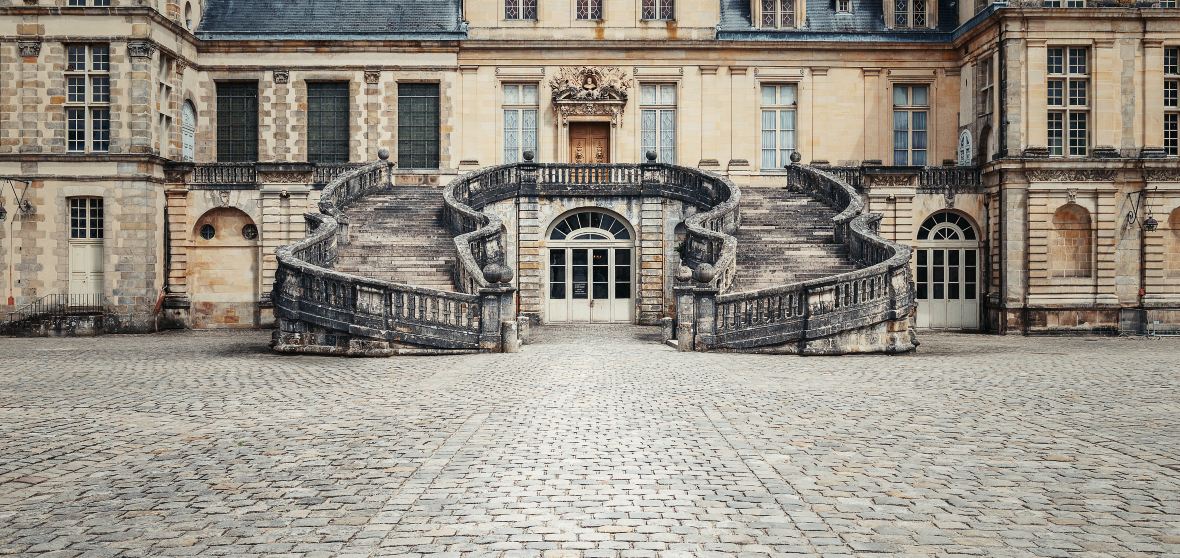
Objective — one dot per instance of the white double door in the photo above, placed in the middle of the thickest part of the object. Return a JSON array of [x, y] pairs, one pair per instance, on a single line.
[[948, 287], [86, 269], [590, 283]]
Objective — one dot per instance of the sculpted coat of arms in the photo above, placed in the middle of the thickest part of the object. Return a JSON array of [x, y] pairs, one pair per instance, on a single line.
[[589, 90]]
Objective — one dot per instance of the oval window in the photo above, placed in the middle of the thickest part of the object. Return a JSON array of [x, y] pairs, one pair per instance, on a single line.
[[208, 232], [250, 232]]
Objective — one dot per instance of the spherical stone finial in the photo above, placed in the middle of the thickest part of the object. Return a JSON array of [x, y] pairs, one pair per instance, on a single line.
[[651, 156], [683, 274], [705, 273], [497, 273], [796, 157], [383, 154], [528, 156]]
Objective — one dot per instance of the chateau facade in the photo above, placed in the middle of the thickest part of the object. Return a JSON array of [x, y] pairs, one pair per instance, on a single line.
[[155, 154]]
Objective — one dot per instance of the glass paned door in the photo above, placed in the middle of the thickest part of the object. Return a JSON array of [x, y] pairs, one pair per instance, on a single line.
[[947, 287], [589, 284]]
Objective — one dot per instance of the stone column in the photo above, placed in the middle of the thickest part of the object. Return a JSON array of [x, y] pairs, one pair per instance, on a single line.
[[685, 317], [141, 116]]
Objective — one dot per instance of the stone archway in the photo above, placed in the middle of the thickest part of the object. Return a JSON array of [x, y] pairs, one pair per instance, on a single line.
[[590, 262], [223, 270]]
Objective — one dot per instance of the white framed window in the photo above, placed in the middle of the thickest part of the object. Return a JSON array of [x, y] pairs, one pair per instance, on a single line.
[[97, 3], [164, 102], [844, 6], [589, 9], [520, 120], [88, 98], [1065, 3], [520, 9], [911, 124], [777, 14], [657, 114], [780, 103], [986, 86], [1172, 101], [910, 14], [1068, 98], [659, 9]]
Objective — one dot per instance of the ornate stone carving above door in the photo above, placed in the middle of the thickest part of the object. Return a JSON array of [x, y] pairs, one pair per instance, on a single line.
[[590, 91]]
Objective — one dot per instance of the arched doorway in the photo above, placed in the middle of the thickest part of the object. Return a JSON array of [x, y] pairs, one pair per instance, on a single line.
[[223, 270], [590, 267], [948, 272]]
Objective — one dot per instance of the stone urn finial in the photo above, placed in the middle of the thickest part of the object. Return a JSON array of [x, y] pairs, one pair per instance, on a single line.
[[497, 273], [705, 273], [383, 154]]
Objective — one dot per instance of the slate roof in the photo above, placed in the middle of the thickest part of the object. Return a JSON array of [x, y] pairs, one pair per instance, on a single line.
[[866, 22], [331, 19]]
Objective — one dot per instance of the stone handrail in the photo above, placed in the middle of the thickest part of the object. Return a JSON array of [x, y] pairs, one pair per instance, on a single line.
[[308, 292], [879, 291], [709, 246]]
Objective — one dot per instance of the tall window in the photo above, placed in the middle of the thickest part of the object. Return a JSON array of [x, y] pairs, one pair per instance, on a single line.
[[520, 9], [778, 13], [657, 113], [520, 121], [779, 103], [85, 218], [910, 13], [237, 121], [327, 122], [986, 86], [1065, 3], [658, 9], [88, 98], [98, 3], [417, 125], [589, 9], [1069, 101], [911, 111], [1172, 100]]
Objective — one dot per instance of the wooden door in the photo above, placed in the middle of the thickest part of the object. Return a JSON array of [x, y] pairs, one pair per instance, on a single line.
[[589, 142]]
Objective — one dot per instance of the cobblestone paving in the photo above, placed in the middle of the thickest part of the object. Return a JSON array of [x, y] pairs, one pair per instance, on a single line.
[[593, 442]]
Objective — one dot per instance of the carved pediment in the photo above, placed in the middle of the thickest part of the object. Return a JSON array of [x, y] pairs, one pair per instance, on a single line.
[[590, 84], [590, 91]]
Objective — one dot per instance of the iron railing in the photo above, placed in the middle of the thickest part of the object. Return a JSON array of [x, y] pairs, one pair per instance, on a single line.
[[307, 290], [481, 237], [879, 291], [55, 305]]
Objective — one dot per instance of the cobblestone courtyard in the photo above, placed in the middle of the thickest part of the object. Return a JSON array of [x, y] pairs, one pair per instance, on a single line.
[[593, 442]]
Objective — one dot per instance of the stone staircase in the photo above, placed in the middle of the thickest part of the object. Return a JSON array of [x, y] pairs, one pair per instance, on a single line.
[[785, 237], [399, 236]]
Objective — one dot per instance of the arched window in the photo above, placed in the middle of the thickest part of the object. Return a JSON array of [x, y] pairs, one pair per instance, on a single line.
[[946, 225], [590, 225], [188, 132], [1172, 242], [188, 15], [1070, 243]]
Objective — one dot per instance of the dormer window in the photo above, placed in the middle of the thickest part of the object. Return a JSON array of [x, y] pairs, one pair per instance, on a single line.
[[844, 6], [910, 14], [520, 9], [777, 14]]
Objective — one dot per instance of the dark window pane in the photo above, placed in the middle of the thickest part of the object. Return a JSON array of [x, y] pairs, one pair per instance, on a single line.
[[601, 291], [327, 122], [557, 291], [237, 122], [418, 126], [622, 290]]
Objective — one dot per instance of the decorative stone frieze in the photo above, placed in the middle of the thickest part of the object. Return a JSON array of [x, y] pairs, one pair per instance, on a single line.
[[1162, 175], [29, 48], [140, 49], [1070, 175]]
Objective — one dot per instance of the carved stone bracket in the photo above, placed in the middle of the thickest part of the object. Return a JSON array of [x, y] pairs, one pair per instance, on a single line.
[[1070, 175], [372, 77], [140, 49], [281, 77], [29, 48]]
